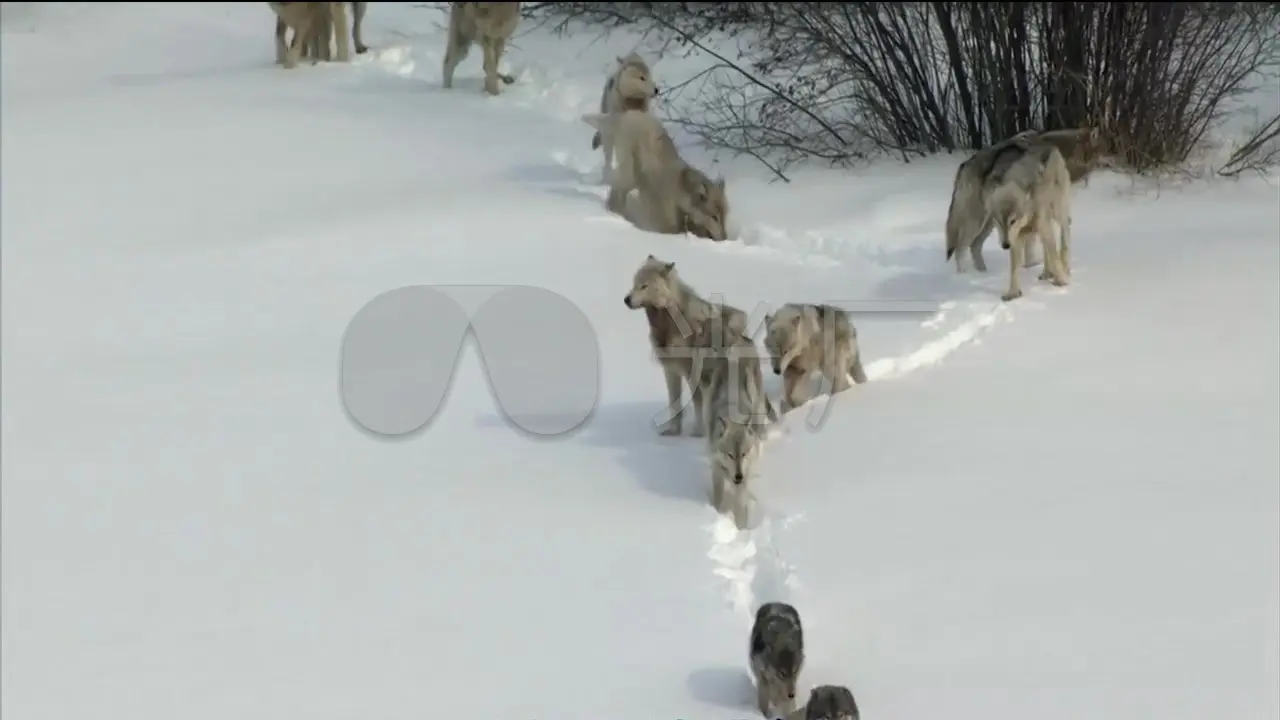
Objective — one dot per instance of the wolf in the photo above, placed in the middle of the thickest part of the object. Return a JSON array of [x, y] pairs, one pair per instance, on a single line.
[[678, 197], [680, 322], [318, 48], [776, 657], [630, 87], [1032, 196], [311, 23], [968, 224], [738, 412], [803, 338], [831, 702], [490, 24]]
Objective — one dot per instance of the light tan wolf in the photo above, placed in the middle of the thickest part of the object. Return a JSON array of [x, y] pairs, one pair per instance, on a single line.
[[681, 326], [490, 24], [311, 23], [318, 48], [630, 87], [738, 413], [677, 197], [968, 223], [1031, 196], [802, 339]]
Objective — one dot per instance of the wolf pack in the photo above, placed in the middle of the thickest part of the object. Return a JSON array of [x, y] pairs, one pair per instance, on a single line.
[[1020, 187]]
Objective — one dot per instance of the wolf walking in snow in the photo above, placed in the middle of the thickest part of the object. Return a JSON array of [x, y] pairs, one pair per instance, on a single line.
[[804, 338], [1025, 202], [318, 47], [830, 702], [681, 325], [491, 24], [738, 414], [676, 196], [630, 87], [312, 23], [776, 657], [968, 221]]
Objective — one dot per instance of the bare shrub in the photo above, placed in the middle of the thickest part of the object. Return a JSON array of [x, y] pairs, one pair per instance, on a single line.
[[844, 81]]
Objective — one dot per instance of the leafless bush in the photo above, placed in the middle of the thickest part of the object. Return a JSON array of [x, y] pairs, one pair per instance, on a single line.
[[844, 81]]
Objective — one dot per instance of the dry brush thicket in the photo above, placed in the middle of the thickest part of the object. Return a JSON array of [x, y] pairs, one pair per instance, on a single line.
[[846, 81]]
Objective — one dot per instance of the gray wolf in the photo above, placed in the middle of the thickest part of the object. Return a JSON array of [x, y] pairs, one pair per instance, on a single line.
[[678, 197], [776, 657], [734, 448], [738, 413], [679, 322], [1029, 199], [831, 702], [490, 24], [311, 23], [968, 224], [802, 339], [630, 87]]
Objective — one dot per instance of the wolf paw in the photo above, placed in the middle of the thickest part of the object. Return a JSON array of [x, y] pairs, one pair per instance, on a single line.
[[669, 430], [1011, 296]]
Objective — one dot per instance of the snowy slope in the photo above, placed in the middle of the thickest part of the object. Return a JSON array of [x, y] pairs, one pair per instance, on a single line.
[[1063, 507]]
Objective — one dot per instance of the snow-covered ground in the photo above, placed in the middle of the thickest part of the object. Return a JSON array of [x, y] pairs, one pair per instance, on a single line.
[[1059, 508]]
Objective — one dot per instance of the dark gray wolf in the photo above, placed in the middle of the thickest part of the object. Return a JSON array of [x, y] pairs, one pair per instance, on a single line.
[[677, 197], [1027, 201], [776, 657], [311, 22], [679, 322], [630, 87], [802, 339], [491, 24], [968, 223], [831, 702]]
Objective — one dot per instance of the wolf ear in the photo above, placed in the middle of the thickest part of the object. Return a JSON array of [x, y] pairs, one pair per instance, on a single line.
[[668, 267], [720, 182], [651, 257]]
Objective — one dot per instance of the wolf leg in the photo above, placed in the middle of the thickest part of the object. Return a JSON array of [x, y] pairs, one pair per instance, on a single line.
[[500, 46], [675, 409], [1052, 260], [301, 36], [795, 389], [717, 488], [1015, 266], [490, 48], [975, 250], [699, 409], [358, 10], [456, 50], [338, 19], [740, 508], [762, 697], [281, 47]]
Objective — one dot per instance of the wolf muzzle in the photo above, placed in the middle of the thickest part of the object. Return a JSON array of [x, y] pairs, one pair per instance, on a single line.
[[777, 369], [737, 478], [627, 301]]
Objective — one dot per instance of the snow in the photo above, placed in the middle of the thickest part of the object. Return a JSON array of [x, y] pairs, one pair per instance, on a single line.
[[1062, 507]]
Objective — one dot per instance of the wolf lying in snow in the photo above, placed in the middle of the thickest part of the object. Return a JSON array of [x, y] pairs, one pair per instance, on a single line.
[[490, 24], [678, 197], [829, 702], [630, 87], [776, 657], [802, 339], [681, 324]]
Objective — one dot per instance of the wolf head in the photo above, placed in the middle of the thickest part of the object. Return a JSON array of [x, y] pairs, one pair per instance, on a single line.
[[782, 337], [633, 79], [736, 450], [710, 200], [831, 702], [655, 285]]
